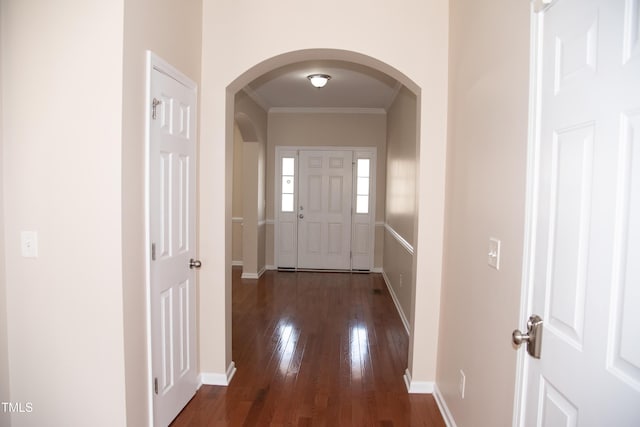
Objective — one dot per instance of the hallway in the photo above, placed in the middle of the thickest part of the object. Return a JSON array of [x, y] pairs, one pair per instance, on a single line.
[[314, 349]]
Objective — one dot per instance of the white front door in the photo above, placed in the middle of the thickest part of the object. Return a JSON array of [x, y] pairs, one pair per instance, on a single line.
[[172, 232], [584, 205], [324, 209]]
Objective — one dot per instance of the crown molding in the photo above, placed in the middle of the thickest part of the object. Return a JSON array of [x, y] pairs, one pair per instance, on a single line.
[[256, 98], [326, 110], [396, 91]]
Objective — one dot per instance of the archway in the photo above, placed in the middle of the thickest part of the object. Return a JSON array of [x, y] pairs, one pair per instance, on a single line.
[[317, 54]]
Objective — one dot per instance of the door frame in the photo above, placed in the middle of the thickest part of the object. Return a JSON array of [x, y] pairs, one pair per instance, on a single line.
[[531, 205], [156, 63], [369, 152], [537, 8]]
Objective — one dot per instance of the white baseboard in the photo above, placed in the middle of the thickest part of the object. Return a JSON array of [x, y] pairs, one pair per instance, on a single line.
[[417, 387], [253, 275], [376, 270], [209, 378], [405, 322], [236, 263], [231, 371], [444, 409], [270, 267]]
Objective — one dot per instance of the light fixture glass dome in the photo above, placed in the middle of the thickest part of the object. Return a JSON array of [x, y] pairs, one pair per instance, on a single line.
[[319, 80]]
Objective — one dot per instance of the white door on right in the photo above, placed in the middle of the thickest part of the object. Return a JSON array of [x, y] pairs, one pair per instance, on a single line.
[[585, 234]]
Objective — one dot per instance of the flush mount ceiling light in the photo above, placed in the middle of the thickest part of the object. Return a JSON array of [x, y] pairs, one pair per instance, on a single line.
[[319, 80]]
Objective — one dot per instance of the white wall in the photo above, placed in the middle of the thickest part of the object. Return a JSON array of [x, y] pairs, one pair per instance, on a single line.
[[405, 39], [485, 198], [62, 113]]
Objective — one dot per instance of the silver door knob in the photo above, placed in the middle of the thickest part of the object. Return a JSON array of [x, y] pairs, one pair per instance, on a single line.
[[518, 337], [533, 336], [301, 216], [195, 263]]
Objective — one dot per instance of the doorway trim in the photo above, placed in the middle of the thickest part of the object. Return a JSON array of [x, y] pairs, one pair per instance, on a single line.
[[294, 151], [531, 202]]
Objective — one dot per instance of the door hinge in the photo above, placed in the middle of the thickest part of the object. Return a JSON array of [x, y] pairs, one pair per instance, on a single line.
[[154, 106], [153, 252], [155, 385]]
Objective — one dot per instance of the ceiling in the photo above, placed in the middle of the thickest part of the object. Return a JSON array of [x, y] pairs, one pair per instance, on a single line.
[[352, 86]]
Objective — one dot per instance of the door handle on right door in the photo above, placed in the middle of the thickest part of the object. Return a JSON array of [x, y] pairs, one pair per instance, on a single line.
[[301, 216], [533, 337]]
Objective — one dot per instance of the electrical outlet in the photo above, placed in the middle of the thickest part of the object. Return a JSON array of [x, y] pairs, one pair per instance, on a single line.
[[461, 384]]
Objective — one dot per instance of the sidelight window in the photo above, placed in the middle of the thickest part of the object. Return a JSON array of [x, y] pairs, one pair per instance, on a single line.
[[288, 176], [362, 186]]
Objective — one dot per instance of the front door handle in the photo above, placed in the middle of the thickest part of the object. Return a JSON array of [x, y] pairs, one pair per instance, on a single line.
[[195, 263], [533, 337]]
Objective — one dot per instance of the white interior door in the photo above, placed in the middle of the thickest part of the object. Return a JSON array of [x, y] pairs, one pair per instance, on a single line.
[[172, 180], [324, 209], [585, 209]]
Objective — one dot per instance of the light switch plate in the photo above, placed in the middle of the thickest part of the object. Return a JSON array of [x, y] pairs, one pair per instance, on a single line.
[[493, 257], [29, 244]]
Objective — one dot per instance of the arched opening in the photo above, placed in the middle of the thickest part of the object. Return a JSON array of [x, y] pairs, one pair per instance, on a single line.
[[399, 164]]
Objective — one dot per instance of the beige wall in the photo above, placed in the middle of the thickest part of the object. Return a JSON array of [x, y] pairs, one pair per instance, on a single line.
[[407, 40], [76, 168], [252, 123], [314, 128], [62, 96], [173, 32], [400, 205], [398, 273], [401, 165], [75, 171], [485, 198], [251, 155], [236, 210], [4, 342]]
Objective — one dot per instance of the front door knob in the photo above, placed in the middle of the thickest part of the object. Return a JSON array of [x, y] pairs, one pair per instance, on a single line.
[[195, 263]]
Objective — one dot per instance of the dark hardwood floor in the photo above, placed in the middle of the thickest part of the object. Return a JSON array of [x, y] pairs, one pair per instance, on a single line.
[[314, 349]]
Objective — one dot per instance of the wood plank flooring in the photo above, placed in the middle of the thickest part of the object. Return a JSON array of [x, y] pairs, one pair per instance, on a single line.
[[314, 349]]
